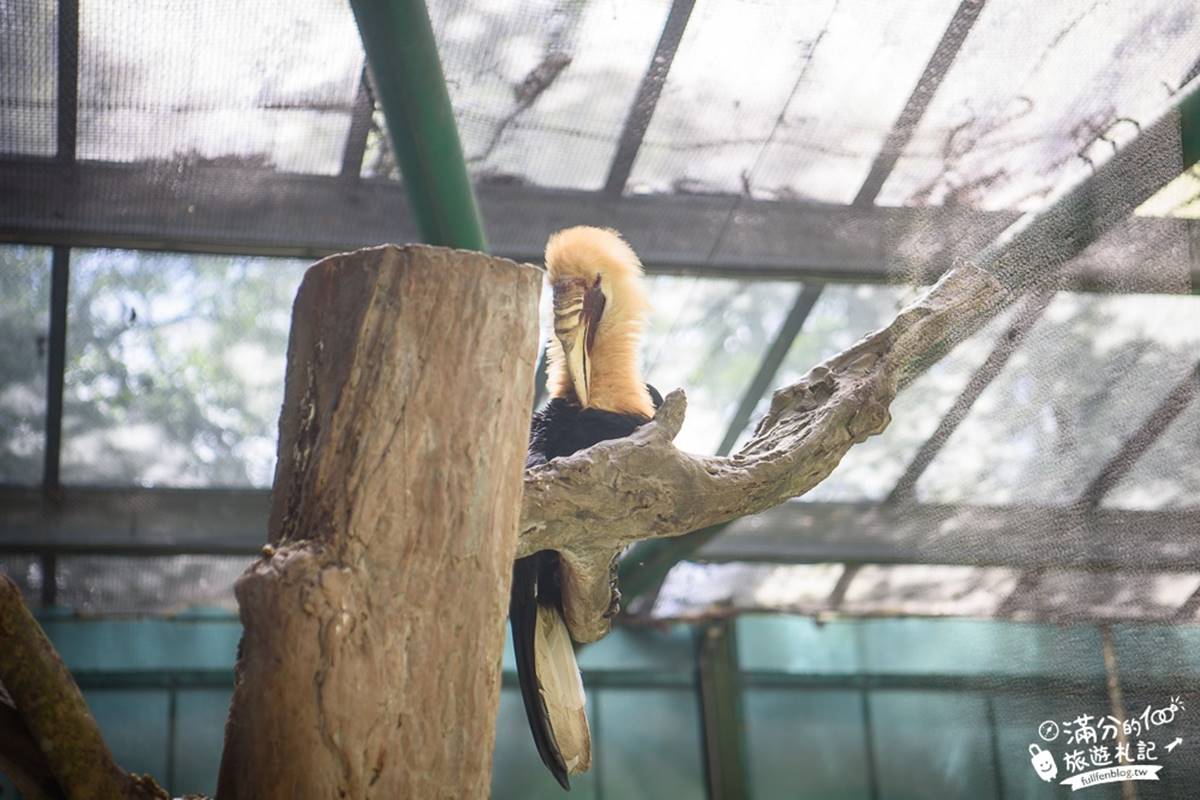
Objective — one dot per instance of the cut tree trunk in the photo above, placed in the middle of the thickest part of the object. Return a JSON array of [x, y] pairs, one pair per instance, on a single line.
[[374, 621]]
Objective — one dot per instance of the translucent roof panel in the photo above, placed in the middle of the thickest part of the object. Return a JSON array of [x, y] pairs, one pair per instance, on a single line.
[[1071, 594], [801, 118], [697, 589], [1035, 85], [708, 337], [1088, 374], [28, 77], [541, 89], [261, 83], [24, 342], [175, 368]]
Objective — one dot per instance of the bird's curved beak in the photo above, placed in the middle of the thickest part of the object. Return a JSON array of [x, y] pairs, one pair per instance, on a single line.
[[578, 306]]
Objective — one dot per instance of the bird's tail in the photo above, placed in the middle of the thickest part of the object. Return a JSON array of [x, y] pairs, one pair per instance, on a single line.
[[550, 682]]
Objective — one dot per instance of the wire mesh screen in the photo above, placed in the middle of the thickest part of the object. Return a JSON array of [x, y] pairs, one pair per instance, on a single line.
[[792, 175]]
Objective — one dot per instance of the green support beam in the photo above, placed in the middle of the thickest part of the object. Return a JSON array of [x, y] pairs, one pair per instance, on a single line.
[[407, 76], [723, 720]]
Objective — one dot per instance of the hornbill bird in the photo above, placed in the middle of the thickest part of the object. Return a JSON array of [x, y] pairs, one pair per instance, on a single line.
[[596, 393]]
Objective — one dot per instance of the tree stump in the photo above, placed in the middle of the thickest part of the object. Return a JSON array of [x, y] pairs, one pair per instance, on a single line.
[[374, 620]]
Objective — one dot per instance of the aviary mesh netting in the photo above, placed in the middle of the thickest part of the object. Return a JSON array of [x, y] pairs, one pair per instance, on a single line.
[[1045, 468]]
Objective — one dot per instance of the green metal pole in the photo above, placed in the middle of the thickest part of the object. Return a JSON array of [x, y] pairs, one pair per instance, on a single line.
[[403, 59]]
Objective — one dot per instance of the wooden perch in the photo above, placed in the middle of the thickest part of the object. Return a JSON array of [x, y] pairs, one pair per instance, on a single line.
[[21, 758], [593, 504], [374, 621]]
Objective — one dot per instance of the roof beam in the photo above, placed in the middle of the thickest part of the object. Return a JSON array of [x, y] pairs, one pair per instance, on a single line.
[[983, 536], [227, 209], [134, 522], [647, 96], [906, 124], [145, 522]]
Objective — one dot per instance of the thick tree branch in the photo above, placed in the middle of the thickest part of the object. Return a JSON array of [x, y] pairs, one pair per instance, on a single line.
[[52, 707], [592, 505], [21, 759]]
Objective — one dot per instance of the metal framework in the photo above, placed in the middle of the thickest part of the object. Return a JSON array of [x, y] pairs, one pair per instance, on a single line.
[[213, 207]]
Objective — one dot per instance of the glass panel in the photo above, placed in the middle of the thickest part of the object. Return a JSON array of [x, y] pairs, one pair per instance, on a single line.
[[199, 738], [517, 771], [541, 89], [1089, 373], [266, 84], [107, 585], [1001, 132], [660, 755], [709, 336], [24, 338], [806, 744], [175, 368], [932, 744], [28, 77], [1019, 716], [801, 121], [134, 726]]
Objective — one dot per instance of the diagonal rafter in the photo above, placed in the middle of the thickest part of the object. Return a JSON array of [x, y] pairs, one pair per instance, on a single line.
[[906, 124], [360, 128], [647, 96], [1026, 317], [1143, 438], [68, 80]]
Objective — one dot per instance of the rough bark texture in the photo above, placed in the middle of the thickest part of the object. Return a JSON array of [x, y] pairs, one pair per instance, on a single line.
[[370, 663], [643, 487], [53, 710]]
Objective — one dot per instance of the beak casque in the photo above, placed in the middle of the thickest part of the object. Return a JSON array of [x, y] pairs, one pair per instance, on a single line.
[[578, 307]]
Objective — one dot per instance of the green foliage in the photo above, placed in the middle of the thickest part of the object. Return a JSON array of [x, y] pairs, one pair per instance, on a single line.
[[174, 367]]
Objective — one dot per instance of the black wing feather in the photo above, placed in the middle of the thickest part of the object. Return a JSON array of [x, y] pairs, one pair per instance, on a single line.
[[560, 428]]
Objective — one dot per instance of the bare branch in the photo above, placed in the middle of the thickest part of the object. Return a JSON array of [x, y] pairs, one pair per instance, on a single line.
[[52, 706], [593, 504], [21, 759]]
